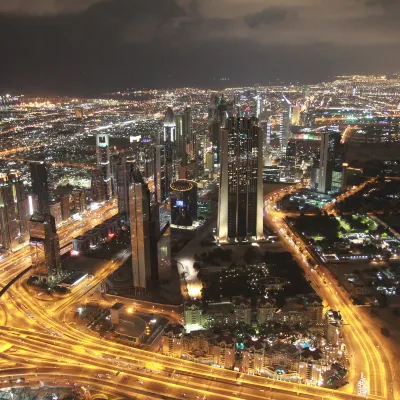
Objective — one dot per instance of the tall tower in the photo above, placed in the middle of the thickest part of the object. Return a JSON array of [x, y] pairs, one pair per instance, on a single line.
[[240, 212], [169, 143], [139, 207], [286, 119], [103, 162], [330, 172], [13, 213], [161, 181], [123, 172], [20, 204], [188, 135], [45, 244], [40, 185]]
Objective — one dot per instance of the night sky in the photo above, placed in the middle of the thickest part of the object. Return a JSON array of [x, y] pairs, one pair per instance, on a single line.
[[87, 47]]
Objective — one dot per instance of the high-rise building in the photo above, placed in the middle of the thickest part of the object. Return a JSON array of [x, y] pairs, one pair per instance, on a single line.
[[65, 207], [161, 179], [240, 211], [45, 244], [103, 162], [180, 138], [183, 198], [40, 185], [286, 119], [55, 210], [79, 201], [330, 172], [188, 134], [13, 212], [123, 172], [98, 188], [139, 204]]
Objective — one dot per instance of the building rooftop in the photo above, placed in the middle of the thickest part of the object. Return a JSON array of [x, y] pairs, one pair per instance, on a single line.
[[134, 328]]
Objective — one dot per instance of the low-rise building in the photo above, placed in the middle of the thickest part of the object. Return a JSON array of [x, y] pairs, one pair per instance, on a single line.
[[81, 244], [242, 310], [224, 351], [266, 309], [172, 340]]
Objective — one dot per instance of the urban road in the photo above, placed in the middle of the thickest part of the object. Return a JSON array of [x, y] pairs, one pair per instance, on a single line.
[[40, 342]]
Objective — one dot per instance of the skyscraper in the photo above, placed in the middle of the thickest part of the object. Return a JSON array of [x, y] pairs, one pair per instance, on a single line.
[[45, 244], [330, 163], [180, 138], [240, 212], [103, 162], [161, 181], [65, 207], [98, 188], [40, 185], [139, 207], [13, 212], [123, 172], [188, 134], [286, 119], [79, 201]]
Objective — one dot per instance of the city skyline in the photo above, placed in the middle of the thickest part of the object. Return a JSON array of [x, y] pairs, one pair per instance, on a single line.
[[99, 54]]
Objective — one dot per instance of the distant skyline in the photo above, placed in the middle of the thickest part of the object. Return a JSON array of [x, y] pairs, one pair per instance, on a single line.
[[88, 47]]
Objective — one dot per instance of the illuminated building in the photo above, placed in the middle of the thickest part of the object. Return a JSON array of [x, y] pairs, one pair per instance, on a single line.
[[123, 173], [161, 178], [183, 199], [188, 135], [242, 310], [55, 210], [65, 207], [330, 163], [45, 244], [103, 162], [80, 244], [98, 188], [193, 316], [296, 115], [164, 257], [79, 198], [13, 212], [79, 112], [286, 119], [180, 139], [240, 210], [139, 210], [40, 185], [224, 351], [172, 341], [253, 357], [266, 309], [169, 143]]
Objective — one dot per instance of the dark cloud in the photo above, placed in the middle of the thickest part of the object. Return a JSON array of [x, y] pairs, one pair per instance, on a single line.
[[95, 46], [268, 16]]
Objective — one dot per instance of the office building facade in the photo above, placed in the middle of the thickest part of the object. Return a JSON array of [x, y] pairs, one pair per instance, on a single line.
[[330, 172], [45, 244], [240, 211], [139, 204], [13, 212], [40, 186], [103, 162]]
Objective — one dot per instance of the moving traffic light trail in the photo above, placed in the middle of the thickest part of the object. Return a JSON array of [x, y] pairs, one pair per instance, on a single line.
[[360, 333], [40, 344]]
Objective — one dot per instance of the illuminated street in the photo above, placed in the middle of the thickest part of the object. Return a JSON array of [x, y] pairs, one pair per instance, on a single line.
[[360, 336]]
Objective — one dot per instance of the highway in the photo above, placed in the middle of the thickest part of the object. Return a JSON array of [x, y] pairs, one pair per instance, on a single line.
[[360, 335], [40, 342]]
